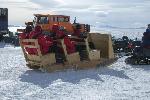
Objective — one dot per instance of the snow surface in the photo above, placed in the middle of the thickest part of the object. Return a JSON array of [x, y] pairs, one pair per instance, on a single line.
[[116, 82], [14, 29], [119, 33]]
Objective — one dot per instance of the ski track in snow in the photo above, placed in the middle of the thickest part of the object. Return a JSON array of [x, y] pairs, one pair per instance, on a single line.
[[116, 82]]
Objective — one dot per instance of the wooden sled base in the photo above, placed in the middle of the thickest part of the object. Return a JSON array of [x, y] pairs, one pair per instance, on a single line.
[[77, 66]]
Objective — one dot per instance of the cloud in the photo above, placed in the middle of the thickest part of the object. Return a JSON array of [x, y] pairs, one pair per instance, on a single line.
[[113, 12], [101, 13], [100, 7], [60, 1], [48, 3], [11, 4]]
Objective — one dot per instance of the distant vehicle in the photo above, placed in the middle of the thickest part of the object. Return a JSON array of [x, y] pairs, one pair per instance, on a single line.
[[125, 44], [139, 56], [141, 53], [5, 35], [136, 43], [121, 45], [3, 22]]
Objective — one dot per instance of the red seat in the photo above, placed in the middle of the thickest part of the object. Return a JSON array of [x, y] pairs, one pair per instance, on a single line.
[[70, 46], [37, 32], [55, 28], [45, 43]]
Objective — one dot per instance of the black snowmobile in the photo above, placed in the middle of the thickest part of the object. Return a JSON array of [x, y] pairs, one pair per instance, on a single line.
[[141, 54], [121, 44]]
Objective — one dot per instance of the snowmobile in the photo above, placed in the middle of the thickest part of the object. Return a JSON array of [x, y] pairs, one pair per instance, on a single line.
[[122, 45], [141, 54]]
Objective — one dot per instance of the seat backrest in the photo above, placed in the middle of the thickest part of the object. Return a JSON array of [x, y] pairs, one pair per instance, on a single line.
[[31, 43]]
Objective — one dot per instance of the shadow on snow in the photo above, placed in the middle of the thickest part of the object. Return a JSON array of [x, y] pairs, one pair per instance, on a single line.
[[45, 79]]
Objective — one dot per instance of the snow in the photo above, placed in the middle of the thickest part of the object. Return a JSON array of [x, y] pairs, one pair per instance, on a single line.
[[118, 33], [116, 82], [14, 29]]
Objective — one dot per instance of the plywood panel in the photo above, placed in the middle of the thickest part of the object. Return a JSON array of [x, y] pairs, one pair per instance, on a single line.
[[94, 55], [103, 43], [73, 58], [48, 59]]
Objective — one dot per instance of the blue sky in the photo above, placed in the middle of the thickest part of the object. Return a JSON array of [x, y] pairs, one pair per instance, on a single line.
[[122, 13]]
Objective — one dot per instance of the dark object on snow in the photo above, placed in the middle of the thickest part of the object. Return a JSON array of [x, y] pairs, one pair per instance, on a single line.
[[3, 20], [1, 37], [122, 45], [136, 43], [141, 54]]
